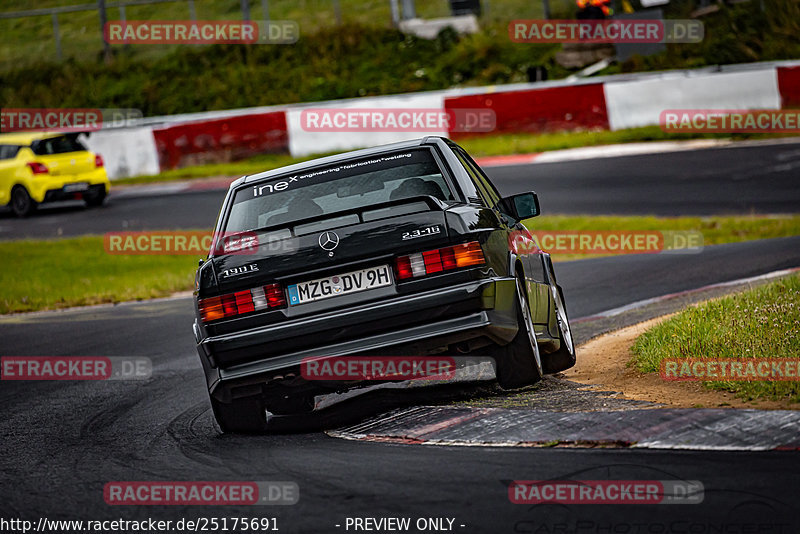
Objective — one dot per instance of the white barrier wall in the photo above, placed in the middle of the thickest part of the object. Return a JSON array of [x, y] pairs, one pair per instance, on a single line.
[[126, 152], [635, 103], [303, 142]]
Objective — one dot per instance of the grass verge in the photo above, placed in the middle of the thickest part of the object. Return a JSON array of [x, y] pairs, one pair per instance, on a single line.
[[715, 230], [760, 323], [52, 274], [526, 143], [85, 274]]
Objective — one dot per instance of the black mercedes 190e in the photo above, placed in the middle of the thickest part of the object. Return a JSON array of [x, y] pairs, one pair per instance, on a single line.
[[403, 249]]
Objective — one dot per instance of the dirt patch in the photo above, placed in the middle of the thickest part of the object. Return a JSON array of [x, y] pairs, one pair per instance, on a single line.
[[604, 362]]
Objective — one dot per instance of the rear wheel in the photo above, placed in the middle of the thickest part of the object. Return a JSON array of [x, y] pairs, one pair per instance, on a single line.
[[564, 357], [519, 363], [21, 202], [95, 199], [244, 415]]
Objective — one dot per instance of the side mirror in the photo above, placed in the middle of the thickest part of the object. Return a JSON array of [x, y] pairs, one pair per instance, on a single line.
[[521, 206]]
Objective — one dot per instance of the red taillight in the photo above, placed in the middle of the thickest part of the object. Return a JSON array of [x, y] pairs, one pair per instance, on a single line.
[[404, 268], [98, 160], [38, 168], [244, 302], [433, 261], [275, 296], [241, 302], [229, 305], [448, 258], [438, 260]]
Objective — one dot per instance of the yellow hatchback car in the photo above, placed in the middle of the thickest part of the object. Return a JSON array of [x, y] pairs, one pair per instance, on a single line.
[[38, 167]]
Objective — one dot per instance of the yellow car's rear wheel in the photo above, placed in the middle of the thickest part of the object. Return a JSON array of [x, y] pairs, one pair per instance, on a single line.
[[95, 199], [21, 202]]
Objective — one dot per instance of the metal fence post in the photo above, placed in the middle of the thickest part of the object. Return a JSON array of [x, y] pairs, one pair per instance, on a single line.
[[101, 7], [409, 10], [192, 12], [337, 10], [57, 35], [245, 9], [123, 18]]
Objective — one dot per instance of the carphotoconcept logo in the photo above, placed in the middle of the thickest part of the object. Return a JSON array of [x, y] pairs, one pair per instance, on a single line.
[[66, 119], [201, 32], [75, 368], [606, 31], [397, 120]]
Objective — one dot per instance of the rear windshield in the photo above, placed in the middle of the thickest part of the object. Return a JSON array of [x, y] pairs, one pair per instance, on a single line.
[[57, 145], [329, 190]]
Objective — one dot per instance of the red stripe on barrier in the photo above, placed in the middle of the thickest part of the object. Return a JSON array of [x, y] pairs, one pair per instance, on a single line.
[[221, 140], [789, 86], [540, 110]]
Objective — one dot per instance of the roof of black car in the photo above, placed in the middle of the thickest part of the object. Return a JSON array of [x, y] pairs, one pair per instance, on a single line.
[[327, 160]]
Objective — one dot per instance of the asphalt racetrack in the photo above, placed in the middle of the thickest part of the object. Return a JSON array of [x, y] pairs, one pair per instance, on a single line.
[[63, 441]]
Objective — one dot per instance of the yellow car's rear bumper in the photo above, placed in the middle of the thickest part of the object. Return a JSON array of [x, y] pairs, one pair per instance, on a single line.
[[39, 185]]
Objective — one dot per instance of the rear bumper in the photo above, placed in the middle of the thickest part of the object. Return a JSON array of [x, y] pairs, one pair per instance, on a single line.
[[46, 188], [412, 324], [54, 195]]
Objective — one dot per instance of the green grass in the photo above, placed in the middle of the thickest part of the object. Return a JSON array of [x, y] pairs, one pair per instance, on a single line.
[[715, 230], [526, 143], [52, 274], [759, 323], [77, 272], [27, 40]]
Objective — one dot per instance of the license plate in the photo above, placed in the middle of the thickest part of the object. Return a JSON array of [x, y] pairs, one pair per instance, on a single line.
[[73, 188], [342, 284]]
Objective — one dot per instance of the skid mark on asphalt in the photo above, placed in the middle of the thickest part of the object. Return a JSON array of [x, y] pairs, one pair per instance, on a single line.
[[692, 429]]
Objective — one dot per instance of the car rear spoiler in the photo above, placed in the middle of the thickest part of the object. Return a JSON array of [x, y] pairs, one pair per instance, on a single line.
[[373, 212]]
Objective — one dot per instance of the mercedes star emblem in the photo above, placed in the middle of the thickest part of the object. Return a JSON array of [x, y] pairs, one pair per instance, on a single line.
[[328, 240]]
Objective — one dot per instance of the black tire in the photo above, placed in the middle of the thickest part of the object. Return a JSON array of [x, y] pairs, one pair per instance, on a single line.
[[96, 199], [564, 357], [244, 415], [519, 362], [21, 202]]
